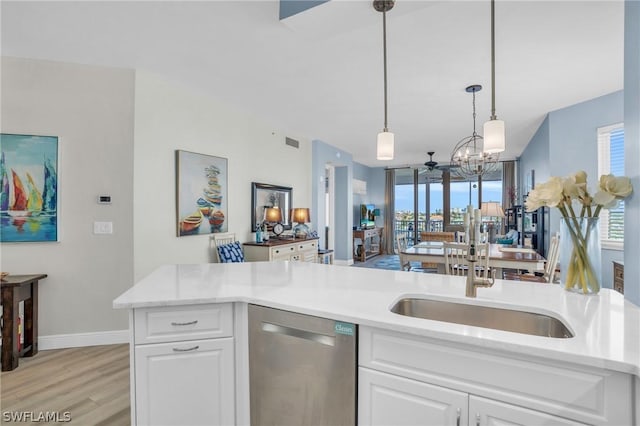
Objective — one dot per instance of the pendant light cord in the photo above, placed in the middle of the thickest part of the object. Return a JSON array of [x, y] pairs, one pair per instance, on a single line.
[[493, 62], [384, 56], [475, 134]]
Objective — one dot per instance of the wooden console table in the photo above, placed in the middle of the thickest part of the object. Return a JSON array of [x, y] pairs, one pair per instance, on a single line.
[[371, 243], [15, 289]]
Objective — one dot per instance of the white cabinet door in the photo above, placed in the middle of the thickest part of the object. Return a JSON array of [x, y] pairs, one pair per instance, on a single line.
[[486, 412], [185, 383], [385, 399]]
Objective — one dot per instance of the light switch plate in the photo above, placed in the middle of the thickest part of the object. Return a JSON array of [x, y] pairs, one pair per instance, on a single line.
[[103, 227]]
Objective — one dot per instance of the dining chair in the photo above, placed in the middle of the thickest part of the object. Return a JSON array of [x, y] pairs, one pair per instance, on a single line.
[[435, 236], [401, 245], [549, 268], [226, 248], [455, 259]]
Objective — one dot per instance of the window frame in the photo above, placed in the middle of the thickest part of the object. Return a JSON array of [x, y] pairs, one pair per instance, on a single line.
[[604, 167]]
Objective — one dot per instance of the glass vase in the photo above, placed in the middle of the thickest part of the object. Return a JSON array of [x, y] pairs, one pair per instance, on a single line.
[[580, 254]]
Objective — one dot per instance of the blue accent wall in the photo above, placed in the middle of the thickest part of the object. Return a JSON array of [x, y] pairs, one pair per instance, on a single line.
[[374, 176], [535, 157], [343, 217], [323, 154], [292, 7], [567, 142], [632, 149]]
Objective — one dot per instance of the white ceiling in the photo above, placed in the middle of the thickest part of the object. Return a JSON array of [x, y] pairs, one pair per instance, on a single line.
[[318, 74]]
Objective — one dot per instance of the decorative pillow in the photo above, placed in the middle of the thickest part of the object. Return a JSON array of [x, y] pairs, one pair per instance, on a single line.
[[512, 234], [231, 252]]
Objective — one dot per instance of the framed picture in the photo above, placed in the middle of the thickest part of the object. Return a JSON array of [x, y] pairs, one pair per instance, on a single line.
[[264, 196], [201, 193], [29, 193]]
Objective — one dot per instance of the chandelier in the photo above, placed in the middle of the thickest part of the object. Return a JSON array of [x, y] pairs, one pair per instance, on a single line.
[[468, 158]]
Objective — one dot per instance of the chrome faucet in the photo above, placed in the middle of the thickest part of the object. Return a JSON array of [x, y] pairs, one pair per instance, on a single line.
[[474, 282]]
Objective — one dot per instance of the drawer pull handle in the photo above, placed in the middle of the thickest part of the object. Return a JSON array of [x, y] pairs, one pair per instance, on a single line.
[[195, 348], [458, 417], [184, 323]]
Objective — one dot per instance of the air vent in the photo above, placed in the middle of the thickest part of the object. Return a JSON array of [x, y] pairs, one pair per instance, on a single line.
[[292, 142]]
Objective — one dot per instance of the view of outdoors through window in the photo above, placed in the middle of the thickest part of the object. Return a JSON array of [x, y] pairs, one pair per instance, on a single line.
[[462, 194], [613, 219]]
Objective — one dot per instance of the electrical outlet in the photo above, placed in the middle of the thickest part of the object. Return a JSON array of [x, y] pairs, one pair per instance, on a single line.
[[103, 227]]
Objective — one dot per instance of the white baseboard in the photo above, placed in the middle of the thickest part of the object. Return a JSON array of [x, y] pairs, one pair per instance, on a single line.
[[343, 262], [60, 341]]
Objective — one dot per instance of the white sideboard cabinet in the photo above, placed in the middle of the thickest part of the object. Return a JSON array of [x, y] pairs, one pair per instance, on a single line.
[[302, 250], [184, 365]]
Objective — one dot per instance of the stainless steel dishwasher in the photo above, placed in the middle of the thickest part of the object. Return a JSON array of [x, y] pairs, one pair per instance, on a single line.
[[302, 369]]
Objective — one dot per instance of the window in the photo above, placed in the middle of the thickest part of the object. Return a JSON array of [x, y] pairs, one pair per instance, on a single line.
[[611, 161]]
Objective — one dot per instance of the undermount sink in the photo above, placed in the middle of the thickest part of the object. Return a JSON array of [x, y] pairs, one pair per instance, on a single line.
[[483, 316]]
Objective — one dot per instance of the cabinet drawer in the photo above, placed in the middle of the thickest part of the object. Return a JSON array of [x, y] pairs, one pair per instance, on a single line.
[[171, 324], [618, 273], [282, 252], [563, 389], [308, 246]]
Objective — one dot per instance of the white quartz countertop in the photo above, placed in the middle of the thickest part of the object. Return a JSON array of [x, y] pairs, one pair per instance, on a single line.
[[605, 326]]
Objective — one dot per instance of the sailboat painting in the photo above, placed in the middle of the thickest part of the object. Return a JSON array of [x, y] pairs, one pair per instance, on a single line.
[[29, 196]]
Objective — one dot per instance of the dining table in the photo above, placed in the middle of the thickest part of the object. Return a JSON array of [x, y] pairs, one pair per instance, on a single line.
[[500, 257]]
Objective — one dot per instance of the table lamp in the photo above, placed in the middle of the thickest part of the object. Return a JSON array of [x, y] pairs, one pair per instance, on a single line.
[[272, 215], [492, 209], [300, 216]]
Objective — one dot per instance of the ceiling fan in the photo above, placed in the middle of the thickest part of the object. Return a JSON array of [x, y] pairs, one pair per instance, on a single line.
[[431, 164], [434, 171]]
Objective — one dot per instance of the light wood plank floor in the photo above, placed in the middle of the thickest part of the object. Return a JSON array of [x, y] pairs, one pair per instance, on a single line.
[[90, 383]]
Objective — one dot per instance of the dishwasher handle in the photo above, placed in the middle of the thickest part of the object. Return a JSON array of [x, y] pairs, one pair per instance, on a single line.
[[301, 334]]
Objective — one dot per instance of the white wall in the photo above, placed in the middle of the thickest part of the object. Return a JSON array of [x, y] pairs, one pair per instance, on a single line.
[[170, 117], [90, 109]]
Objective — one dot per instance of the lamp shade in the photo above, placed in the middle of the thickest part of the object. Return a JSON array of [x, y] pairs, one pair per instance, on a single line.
[[385, 146], [492, 209], [272, 214], [494, 139], [300, 215]]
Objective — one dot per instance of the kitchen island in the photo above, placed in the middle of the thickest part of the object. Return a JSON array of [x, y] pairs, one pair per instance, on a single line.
[[591, 378]]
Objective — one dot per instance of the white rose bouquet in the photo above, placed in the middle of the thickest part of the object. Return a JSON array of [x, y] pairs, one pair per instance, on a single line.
[[563, 193]]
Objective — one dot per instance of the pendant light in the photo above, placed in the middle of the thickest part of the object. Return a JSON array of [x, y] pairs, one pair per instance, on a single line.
[[385, 138], [494, 133]]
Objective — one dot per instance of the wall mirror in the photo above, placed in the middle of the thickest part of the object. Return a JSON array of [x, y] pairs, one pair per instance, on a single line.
[[263, 196]]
